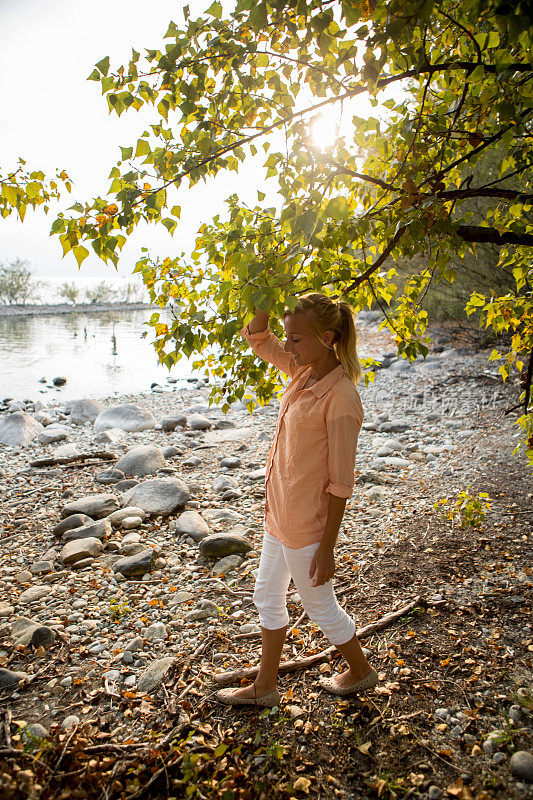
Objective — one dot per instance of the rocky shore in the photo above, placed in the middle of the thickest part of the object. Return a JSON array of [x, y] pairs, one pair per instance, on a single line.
[[131, 531], [37, 309]]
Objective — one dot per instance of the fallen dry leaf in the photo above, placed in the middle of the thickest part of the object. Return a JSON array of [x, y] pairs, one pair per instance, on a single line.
[[302, 785]]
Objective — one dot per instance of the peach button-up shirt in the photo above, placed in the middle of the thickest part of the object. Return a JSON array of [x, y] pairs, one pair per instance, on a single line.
[[314, 447]]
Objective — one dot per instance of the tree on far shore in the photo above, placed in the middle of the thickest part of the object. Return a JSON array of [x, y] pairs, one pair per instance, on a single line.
[[449, 84], [69, 292], [102, 292], [17, 285]]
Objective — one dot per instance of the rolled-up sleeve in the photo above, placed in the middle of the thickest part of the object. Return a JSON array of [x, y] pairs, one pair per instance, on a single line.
[[268, 347], [344, 418]]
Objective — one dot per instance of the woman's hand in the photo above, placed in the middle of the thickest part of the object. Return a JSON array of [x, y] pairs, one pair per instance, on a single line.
[[322, 566]]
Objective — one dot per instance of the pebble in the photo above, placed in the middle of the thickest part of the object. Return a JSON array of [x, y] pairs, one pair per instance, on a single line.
[[70, 722], [34, 731], [129, 511], [154, 674], [95, 506], [33, 594], [41, 568], [521, 765], [218, 545], [80, 549], [156, 631], [130, 523], [9, 678], [192, 524], [226, 564]]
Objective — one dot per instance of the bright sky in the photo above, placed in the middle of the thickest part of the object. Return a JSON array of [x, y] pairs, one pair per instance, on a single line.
[[54, 118]]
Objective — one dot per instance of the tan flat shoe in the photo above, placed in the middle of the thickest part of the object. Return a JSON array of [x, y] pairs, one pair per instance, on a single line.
[[227, 697], [331, 685]]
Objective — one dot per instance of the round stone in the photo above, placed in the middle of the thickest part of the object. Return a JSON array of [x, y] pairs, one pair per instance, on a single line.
[[522, 765]]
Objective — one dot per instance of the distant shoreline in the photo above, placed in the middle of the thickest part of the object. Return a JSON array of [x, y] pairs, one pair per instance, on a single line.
[[35, 310]]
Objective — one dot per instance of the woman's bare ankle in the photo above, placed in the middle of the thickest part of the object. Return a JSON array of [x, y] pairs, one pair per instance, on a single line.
[[263, 687]]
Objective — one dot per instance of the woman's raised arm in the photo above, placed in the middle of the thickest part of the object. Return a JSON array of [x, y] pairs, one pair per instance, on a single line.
[[267, 345], [259, 322]]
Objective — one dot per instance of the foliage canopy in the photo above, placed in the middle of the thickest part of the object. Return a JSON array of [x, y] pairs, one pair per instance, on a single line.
[[449, 82]]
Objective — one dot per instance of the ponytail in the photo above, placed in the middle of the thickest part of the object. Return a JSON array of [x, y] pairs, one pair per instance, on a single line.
[[324, 315], [346, 343]]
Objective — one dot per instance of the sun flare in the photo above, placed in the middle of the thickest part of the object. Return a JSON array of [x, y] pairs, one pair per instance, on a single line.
[[325, 131]]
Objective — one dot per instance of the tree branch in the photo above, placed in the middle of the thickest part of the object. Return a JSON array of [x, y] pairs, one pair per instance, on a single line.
[[503, 194], [378, 262], [480, 235]]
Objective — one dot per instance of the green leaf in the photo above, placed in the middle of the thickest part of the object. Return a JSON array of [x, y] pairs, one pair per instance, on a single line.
[[80, 254], [103, 65], [215, 10], [338, 209], [143, 148]]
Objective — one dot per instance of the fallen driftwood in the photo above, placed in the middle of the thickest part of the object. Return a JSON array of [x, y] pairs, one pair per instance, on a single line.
[[52, 462], [324, 655]]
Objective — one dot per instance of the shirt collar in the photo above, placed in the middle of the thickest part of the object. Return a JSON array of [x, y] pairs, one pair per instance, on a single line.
[[325, 384]]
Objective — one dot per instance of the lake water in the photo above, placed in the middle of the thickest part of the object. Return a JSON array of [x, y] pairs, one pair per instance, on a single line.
[[98, 354]]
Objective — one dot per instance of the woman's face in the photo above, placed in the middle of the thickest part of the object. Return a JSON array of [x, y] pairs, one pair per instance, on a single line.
[[301, 342]]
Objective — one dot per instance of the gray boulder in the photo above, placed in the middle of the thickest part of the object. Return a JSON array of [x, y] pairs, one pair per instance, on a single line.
[[94, 505], [53, 433], [127, 417], [230, 462], [158, 496], [117, 517], [84, 410], [131, 548], [19, 429], [145, 459], [173, 421], [109, 436], [97, 530], [393, 426], [8, 678], [33, 594], [226, 564], [224, 482], [225, 515], [22, 630], [138, 564], [109, 476], [170, 451], [191, 524], [67, 524], [256, 475], [41, 568], [218, 545], [81, 549], [198, 422]]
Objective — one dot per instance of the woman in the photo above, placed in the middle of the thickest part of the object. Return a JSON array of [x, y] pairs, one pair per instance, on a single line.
[[309, 477]]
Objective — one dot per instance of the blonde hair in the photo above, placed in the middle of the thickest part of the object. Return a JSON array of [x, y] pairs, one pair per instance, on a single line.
[[323, 315]]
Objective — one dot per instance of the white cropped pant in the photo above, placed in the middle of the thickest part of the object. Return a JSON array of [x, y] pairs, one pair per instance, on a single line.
[[276, 567]]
